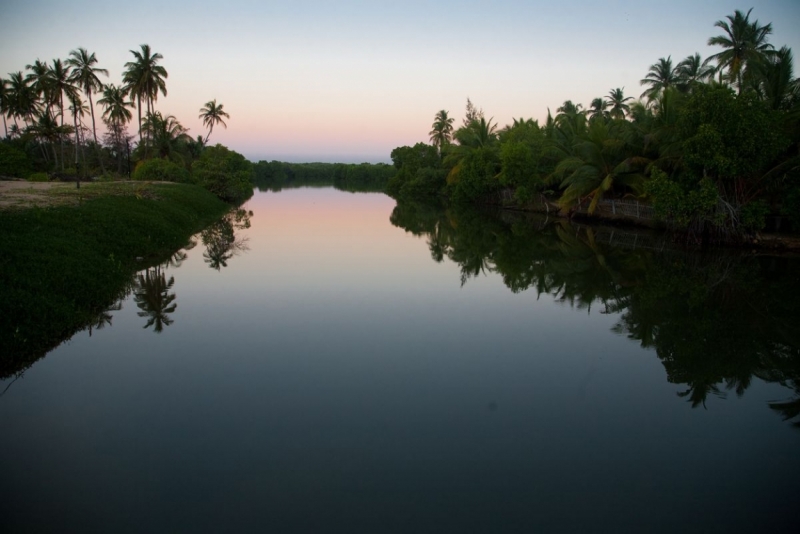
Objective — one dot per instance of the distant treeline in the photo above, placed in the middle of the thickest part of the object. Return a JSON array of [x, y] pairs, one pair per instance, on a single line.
[[275, 175]]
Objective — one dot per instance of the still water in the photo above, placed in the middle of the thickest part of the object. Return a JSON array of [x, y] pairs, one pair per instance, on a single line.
[[335, 362]]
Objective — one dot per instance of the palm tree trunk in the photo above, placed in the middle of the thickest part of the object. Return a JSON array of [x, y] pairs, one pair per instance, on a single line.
[[139, 110], [60, 136], [94, 132], [210, 129]]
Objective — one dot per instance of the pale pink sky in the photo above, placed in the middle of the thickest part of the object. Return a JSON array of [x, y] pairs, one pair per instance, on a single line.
[[350, 81]]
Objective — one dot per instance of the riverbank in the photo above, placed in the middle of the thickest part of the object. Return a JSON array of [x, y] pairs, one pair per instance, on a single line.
[[67, 254]]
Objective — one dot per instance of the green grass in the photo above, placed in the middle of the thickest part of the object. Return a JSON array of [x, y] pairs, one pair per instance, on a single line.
[[61, 266]]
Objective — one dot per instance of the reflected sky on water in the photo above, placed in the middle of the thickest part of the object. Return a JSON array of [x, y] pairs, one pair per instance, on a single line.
[[332, 376]]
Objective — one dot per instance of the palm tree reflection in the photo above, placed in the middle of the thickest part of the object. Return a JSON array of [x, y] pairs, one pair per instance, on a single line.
[[152, 295], [220, 238]]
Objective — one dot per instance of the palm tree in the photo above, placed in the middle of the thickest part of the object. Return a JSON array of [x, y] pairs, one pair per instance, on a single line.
[[442, 130], [23, 102], [744, 42], [212, 114], [693, 70], [599, 163], [617, 100], [598, 109], [61, 85], [84, 74], [40, 83], [165, 134], [115, 104], [775, 81], [144, 79], [568, 108], [662, 75]]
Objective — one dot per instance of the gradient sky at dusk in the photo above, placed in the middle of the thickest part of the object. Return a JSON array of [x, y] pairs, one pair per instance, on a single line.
[[350, 80]]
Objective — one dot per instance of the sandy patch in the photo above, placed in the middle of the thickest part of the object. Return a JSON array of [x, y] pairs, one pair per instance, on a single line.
[[21, 194]]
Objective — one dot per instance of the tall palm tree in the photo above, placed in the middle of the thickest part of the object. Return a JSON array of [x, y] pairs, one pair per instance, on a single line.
[[23, 102], [442, 130], [84, 74], [61, 86], [40, 82], [144, 78], [662, 75], [693, 70], [212, 114], [743, 43], [617, 100], [115, 104]]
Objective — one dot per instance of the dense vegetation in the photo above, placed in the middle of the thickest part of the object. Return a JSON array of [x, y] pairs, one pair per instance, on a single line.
[[716, 321], [62, 267], [43, 139], [275, 175], [713, 146]]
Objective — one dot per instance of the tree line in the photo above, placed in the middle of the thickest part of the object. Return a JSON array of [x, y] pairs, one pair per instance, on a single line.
[[276, 175], [45, 109], [712, 144]]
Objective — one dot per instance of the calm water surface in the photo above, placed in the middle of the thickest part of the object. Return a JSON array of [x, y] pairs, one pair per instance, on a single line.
[[343, 364]]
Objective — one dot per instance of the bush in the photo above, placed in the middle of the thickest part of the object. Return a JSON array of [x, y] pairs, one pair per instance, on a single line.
[[161, 170], [225, 173], [13, 162]]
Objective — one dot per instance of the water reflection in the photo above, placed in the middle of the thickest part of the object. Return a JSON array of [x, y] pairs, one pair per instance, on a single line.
[[221, 241], [715, 320], [152, 296]]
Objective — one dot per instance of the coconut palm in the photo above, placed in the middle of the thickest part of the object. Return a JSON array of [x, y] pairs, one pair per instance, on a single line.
[[600, 162], [165, 134], [23, 102], [40, 82], [212, 114], [775, 81], [617, 101], [598, 109], [61, 86], [693, 70], [144, 78], [84, 74], [662, 75], [743, 43], [442, 130], [115, 104]]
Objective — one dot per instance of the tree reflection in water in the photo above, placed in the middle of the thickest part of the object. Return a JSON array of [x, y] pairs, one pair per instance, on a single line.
[[220, 238], [715, 320], [152, 295]]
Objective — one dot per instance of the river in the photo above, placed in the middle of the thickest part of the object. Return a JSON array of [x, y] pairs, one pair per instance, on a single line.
[[329, 361]]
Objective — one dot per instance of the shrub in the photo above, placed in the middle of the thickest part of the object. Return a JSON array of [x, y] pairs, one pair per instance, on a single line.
[[161, 170], [13, 162], [225, 173]]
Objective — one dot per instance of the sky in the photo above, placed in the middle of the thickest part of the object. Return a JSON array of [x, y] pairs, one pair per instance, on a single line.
[[348, 81]]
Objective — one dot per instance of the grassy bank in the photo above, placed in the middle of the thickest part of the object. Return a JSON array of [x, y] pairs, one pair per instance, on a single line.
[[62, 265]]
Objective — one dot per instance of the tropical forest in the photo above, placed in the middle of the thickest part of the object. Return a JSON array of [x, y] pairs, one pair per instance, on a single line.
[[710, 147]]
